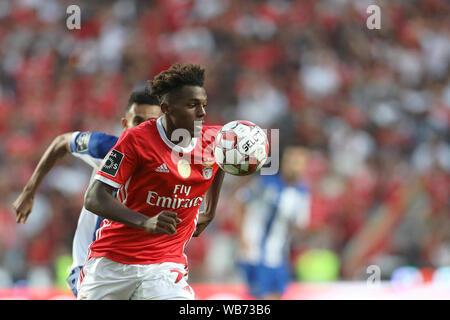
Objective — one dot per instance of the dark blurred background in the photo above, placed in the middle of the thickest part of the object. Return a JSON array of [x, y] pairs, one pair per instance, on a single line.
[[371, 108]]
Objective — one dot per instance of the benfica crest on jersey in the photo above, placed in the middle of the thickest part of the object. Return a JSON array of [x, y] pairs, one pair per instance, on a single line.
[[207, 172]]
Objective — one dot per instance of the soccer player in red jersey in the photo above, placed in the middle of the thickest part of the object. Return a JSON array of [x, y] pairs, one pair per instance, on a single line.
[[164, 170]]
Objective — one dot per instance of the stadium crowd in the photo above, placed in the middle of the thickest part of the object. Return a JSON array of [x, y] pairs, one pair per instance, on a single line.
[[370, 107]]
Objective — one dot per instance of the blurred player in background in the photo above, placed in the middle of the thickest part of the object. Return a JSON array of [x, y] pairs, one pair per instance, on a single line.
[[139, 249], [91, 147], [267, 211]]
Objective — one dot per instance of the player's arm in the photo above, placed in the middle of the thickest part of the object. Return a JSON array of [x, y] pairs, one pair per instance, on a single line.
[[99, 199], [239, 209], [300, 215], [240, 201], [211, 200], [57, 150], [85, 145]]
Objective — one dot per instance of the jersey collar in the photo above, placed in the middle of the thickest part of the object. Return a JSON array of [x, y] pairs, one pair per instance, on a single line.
[[172, 145]]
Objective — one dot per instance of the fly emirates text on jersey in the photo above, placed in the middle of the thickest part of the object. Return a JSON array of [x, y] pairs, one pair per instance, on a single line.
[[178, 200]]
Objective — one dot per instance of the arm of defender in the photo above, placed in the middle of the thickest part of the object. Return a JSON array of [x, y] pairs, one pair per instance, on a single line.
[[211, 199], [239, 210], [99, 200], [24, 202]]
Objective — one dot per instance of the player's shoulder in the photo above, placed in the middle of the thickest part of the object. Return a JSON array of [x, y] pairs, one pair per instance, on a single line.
[[302, 187], [277, 181], [209, 132], [272, 181], [141, 131], [141, 137], [211, 128], [144, 126]]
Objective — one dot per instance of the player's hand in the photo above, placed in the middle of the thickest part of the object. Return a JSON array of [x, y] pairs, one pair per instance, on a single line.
[[164, 222], [23, 206]]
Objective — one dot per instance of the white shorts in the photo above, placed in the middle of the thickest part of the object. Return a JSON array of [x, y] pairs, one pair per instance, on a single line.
[[103, 279]]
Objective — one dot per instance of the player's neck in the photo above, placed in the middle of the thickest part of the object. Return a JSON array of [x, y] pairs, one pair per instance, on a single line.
[[169, 128], [289, 179]]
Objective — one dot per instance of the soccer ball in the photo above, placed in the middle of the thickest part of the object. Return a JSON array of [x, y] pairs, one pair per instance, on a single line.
[[241, 148]]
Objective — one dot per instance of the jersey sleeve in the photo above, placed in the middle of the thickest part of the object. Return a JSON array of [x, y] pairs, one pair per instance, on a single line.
[[120, 162], [91, 147]]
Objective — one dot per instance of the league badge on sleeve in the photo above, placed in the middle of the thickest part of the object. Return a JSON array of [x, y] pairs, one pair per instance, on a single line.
[[112, 162], [82, 141]]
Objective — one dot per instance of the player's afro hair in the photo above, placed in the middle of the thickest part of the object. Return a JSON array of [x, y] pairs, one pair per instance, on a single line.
[[176, 77]]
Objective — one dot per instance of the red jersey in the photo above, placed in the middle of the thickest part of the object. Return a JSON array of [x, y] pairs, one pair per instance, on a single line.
[[153, 174]]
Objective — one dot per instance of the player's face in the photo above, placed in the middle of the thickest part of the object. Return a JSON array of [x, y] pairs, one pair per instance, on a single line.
[[293, 163], [139, 113], [186, 107]]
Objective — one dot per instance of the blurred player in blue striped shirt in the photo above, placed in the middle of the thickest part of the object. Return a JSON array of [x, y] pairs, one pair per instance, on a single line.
[[268, 210]]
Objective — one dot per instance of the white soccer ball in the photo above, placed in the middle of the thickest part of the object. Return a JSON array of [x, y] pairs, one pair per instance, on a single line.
[[241, 148]]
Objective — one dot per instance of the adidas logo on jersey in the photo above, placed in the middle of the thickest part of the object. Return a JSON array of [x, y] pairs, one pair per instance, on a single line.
[[162, 168]]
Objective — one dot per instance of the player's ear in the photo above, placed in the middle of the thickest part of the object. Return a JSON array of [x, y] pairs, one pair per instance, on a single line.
[[165, 108], [124, 123]]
